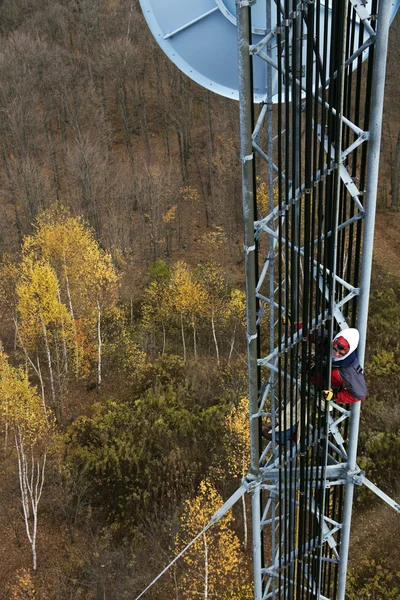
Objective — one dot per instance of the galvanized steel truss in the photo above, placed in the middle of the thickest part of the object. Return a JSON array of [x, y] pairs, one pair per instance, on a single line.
[[305, 186]]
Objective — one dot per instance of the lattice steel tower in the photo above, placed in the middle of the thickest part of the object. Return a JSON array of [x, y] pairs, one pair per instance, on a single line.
[[310, 77]]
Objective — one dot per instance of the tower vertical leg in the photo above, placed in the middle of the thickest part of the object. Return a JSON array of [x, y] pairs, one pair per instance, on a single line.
[[248, 199], [378, 87], [257, 553]]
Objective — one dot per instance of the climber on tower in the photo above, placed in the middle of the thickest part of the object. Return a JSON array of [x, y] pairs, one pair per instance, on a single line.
[[347, 378]]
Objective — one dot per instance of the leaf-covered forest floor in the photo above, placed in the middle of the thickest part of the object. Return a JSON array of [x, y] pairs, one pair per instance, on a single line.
[[387, 242]]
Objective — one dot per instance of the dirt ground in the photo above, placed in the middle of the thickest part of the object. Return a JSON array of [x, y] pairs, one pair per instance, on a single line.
[[377, 527], [380, 525], [387, 242]]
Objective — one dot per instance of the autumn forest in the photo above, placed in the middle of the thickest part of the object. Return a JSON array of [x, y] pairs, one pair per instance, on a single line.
[[123, 373]]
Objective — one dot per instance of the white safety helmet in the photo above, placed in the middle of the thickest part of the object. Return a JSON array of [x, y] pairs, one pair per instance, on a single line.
[[345, 342]]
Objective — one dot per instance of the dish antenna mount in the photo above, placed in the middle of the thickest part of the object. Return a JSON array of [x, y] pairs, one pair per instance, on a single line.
[[200, 38]]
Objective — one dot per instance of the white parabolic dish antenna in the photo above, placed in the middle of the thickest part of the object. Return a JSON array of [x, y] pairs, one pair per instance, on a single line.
[[200, 37]]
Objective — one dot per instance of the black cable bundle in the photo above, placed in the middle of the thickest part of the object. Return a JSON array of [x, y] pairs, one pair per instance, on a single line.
[[316, 252]]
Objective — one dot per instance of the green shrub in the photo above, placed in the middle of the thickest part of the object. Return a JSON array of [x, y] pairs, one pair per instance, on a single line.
[[371, 581], [146, 455], [383, 362], [383, 459]]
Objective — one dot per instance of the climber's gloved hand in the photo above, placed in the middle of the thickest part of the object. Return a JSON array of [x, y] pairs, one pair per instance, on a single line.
[[328, 395]]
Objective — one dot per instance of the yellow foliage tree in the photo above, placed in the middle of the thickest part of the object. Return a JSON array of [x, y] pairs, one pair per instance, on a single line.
[[215, 239], [185, 297], [235, 315], [22, 418], [85, 273], [237, 442], [238, 438], [156, 309], [43, 320], [124, 354], [263, 198], [72, 250], [215, 567], [215, 297], [21, 409]]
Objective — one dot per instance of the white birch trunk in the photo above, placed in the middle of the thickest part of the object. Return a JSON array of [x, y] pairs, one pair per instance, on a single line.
[[232, 344], [31, 486], [183, 339], [214, 335], [99, 345], [71, 309], [58, 363], [205, 567], [22, 481], [39, 374]]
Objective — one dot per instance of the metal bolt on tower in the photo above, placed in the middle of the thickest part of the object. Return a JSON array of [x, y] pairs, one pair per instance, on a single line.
[[310, 82]]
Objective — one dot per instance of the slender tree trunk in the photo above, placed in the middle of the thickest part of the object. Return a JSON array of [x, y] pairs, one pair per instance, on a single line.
[[46, 341], [144, 122], [64, 343], [6, 430], [232, 344], [60, 371], [183, 339], [99, 345], [71, 311], [39, 374], [194, 341], [205, 567], [214, 334], [53, 154], [162, 105], [164, 338], [122, 103], [203, 189], [210, 153], [31, 486], [22, 481], [13, 194]]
